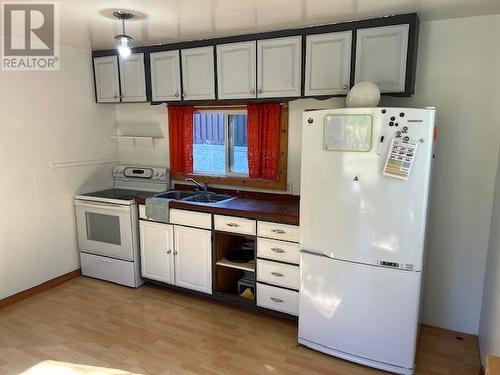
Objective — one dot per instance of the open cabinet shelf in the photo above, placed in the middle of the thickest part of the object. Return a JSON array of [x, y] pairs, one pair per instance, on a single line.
[[232, 279], [241, 266]]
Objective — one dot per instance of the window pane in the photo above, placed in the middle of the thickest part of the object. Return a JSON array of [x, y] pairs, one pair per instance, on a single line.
[[209, 143], [238, 152]]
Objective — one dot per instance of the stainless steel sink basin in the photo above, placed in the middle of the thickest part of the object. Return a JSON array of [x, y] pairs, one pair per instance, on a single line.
[[207, 197], [176, 194]]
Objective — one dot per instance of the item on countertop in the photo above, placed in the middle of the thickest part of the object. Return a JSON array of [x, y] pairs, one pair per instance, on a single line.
[[363, 94]]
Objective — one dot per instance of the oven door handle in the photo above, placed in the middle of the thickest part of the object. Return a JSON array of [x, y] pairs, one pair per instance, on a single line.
[[109, 206]]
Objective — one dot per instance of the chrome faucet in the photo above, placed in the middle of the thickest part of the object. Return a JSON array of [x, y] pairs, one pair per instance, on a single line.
[[199, 186]]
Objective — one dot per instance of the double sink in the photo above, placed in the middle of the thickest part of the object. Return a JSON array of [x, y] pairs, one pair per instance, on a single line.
[[158, 206], [192, 196]]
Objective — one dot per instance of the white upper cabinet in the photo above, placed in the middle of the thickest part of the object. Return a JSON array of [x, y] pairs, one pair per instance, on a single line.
[[198, 73], [132, 78], [328, 63], [165, 76], [381, 57], [236, 70], [106, 79], [193, 258], [157, 251], [278, 67]]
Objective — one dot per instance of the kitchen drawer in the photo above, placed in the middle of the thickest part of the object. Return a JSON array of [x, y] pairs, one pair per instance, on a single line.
[[277, 231], [191, 218], [278, 274], [234, 224], [278, 250], [110, 269], [278, 299]]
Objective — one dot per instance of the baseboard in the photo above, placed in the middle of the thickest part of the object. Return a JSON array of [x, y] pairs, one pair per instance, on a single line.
[[39, 288]]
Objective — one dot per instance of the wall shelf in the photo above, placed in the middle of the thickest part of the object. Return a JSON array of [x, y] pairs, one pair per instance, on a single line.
[[135, 138]]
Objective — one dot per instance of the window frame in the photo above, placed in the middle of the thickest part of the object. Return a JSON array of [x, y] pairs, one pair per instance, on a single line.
[[239, 179]]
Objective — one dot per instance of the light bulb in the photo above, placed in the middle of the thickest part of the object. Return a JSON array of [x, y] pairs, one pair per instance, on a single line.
[[123, 48]]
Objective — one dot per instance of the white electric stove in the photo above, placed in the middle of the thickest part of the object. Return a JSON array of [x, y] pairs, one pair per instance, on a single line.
[[108, 224]]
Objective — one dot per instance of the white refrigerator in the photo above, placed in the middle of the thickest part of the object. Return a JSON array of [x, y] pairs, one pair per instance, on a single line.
[[365, 181]]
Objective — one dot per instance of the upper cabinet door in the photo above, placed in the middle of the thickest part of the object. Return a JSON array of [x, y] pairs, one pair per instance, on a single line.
[[106, 79], [381, 57], [236, 70], [198, 73], [132, 78], [278, 67], [328, 63], [165, 76]]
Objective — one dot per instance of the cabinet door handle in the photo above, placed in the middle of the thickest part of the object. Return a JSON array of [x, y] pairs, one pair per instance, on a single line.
[[278, 250], [274, 299], [176, 94], [175, 252], [278, 231], [259, 91], [252, 91], [184, 93], [277, 274], [232, 225], [346, 87], [169, 251]]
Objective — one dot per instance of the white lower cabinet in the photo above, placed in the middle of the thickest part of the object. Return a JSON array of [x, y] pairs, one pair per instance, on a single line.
[[177, 255], [157, 255], [193, 258]]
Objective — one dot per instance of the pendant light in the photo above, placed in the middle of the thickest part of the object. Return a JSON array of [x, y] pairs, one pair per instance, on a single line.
[[123, 40]]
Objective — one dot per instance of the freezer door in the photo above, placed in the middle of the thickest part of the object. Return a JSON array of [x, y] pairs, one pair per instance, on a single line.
[[361, 310], [348, 208]]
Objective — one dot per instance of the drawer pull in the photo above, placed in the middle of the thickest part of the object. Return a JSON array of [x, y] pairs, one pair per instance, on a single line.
[[274, 299], [278, 231], [233, 225], [278, 250], [277, 274]]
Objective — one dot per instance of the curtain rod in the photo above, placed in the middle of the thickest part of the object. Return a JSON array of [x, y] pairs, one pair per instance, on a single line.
[[228, 106]]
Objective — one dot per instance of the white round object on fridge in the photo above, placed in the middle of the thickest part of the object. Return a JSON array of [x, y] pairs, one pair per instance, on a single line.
[[363, 94]]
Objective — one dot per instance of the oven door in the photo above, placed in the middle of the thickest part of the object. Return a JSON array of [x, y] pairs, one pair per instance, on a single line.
[[105, 229]]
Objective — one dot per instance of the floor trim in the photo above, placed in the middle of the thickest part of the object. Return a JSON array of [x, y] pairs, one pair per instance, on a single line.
[[39, 288]]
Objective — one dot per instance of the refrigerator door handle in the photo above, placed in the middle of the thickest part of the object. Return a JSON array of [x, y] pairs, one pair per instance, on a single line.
[[316, 253]]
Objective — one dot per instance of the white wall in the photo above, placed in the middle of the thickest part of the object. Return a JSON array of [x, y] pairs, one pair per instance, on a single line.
[[489, 328], [459, 73], [47, 117], [143, 118]]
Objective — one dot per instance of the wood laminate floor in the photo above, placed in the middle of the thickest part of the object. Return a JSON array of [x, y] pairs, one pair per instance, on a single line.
[[150, 330]]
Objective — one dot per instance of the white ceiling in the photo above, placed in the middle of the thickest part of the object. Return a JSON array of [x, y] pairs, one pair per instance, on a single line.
[[163, 21]]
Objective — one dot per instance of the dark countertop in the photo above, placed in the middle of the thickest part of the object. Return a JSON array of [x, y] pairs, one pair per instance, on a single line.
[[278, 210]]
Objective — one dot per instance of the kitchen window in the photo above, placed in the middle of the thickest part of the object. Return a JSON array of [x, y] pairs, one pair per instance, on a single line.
[[241, 145], [220, 143]]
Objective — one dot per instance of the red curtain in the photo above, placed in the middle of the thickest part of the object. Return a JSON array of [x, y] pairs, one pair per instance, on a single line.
[[263, 126], [180, 124]]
